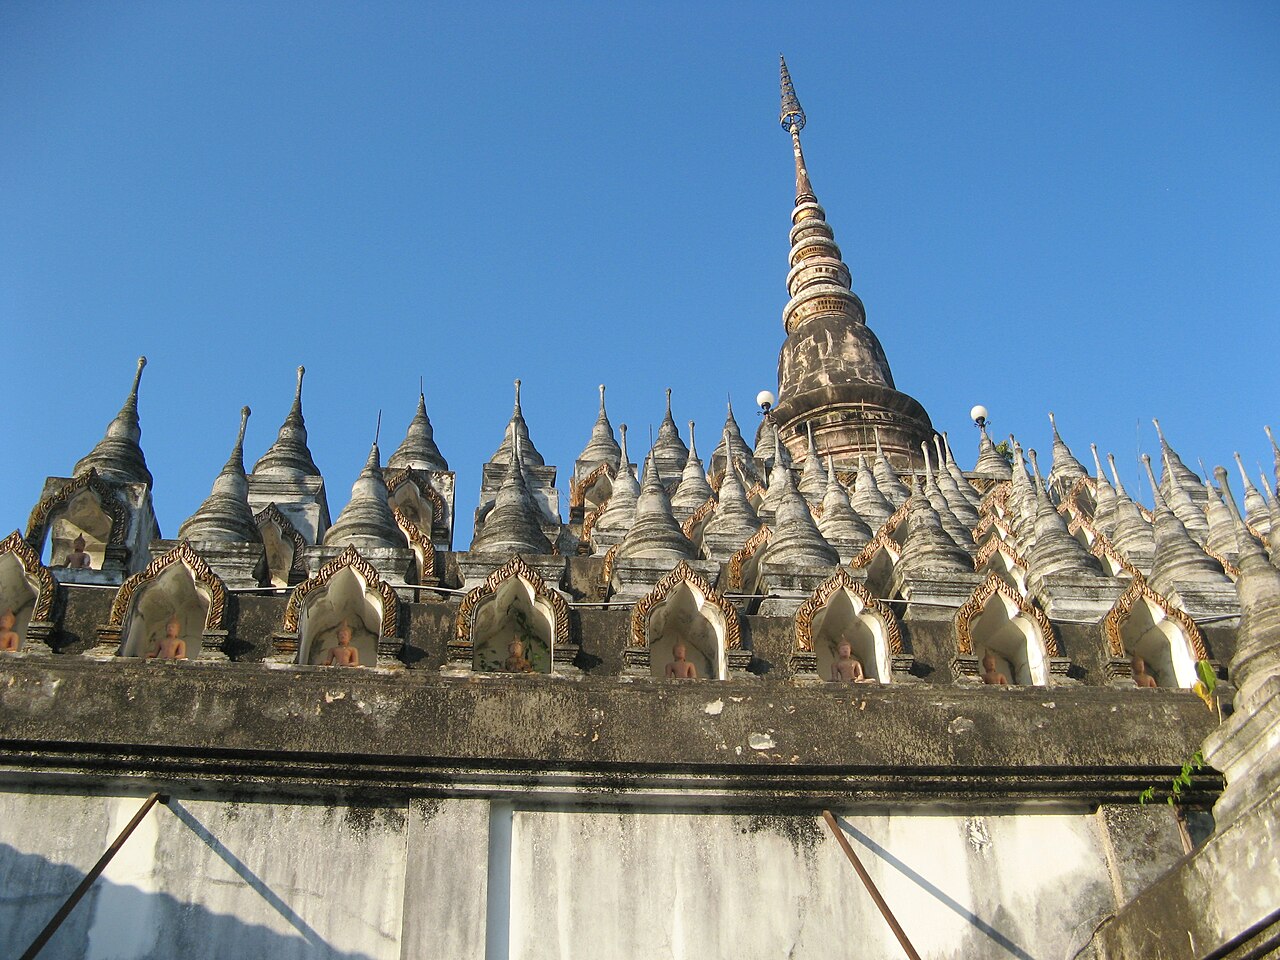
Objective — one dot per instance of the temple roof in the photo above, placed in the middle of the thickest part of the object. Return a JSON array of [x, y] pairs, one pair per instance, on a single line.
[[118, 455]]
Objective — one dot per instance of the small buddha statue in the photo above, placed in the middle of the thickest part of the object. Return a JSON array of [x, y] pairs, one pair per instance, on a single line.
[[77, 559], [9, 638], [344, 654], [989, 672], [846, 668], [679, 668], [516, 661], [1140, 676], [170, 646]]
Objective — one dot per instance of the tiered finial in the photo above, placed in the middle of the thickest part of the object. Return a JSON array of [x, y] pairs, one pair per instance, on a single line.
[[792, 119], [118, 456]]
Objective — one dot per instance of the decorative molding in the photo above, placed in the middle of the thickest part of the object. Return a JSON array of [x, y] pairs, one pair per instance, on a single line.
[[842, 580], [1139, 589], [421, 481], [757, 490], [21, 551], [515, 567], [698, 516], [425, 548], [683, 573], [1103, 548], [977, 602], [185, 554], [578, 490], [996, 545], [606, 569], [271, 514], [348, 558], [744, 553], [38, 524]]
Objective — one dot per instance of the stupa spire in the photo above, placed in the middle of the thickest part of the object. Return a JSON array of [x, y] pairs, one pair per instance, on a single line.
[[793, 120], [1255, 508], [512, 526], [519, 430], [289, 455], [418, 450], [693, 490], [366, 521], [225, 513], [602, 447], [118, 456], [832, 366]]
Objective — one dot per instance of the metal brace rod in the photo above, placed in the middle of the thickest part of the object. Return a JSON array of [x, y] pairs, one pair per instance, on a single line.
[[870, 885], [64, 911]]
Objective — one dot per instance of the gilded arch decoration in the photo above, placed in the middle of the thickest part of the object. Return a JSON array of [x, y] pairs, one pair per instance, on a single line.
[[271, 514], [977, 602], [419, 542], [422, 483], [349, 558], [578, 490], [996, 545], [842, 580], [755, 543], [699, 515], [38, 524], [21, 550], [683, 573], [515, 567], [1139, 590], [184, 554]]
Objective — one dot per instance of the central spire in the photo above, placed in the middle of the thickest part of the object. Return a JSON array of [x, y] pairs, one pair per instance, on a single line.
[[832, 370]]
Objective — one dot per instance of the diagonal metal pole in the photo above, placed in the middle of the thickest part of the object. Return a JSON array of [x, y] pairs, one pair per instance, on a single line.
[[870, 885], [64, 911]]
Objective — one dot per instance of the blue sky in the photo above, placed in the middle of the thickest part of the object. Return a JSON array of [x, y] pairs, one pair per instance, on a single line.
[[1067, 207]]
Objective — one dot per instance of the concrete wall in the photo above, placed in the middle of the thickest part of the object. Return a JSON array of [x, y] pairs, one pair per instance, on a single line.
[[466, 879]]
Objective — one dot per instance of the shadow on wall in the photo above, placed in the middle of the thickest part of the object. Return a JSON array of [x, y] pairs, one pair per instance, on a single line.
[[151, 926]]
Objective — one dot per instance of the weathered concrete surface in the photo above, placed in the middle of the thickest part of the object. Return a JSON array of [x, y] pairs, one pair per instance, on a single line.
[[203, 879], [201, 721], [220, 877], [681, 885], [1222, 901]]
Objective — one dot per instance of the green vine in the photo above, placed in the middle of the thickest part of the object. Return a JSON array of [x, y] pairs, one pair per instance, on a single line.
[[1206, 689]]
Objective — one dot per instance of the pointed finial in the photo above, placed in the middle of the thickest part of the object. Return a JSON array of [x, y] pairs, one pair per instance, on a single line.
[[602, 413], [1096, 462], [421, 392], [244, 422], [729, 403], [297, 392], [1155, 487], [928, 467], [1054, 424], [622, 443], [831, 469], [377, 430], [1245, 543], [137, 378], [517, 404], [693, 447], [1244, 475], [1035, 469], [668, 402], [879, 451], [1275, 447], [1159, 432], [1115, 474], [792, 115]]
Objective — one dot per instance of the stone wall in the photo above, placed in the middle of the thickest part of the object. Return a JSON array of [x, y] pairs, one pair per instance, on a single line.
[[211, 875]]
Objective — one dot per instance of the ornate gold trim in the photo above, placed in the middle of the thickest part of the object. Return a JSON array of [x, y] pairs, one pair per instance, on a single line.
[[271, 513], [349, 557], [977, 602], [994, 546], [185, 554], [31, 565], [757, 489], [1103, 548], [744, 553], [515, 567], [996, 497], [37, 525], [1139, 589], [413, 533], [422, 483], [606, 568], [683, 573], [578, 491], [697, 517], [883, 540], [842, 580]]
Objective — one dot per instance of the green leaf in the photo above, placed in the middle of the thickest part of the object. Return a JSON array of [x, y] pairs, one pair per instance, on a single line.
[[1205, 671]]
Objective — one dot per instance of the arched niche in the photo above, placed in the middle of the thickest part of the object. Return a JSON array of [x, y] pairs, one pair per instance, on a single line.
[[514, 602], [1000, 558], [410, 491], [84, 506], [1145, 624], [697, 523], [176, 584], [879, 558], [419, 541], [744, 565], [998, 620], [27, 588], [284, 547], [683, 608], [594, 490], [346, 589], [843, 609]]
